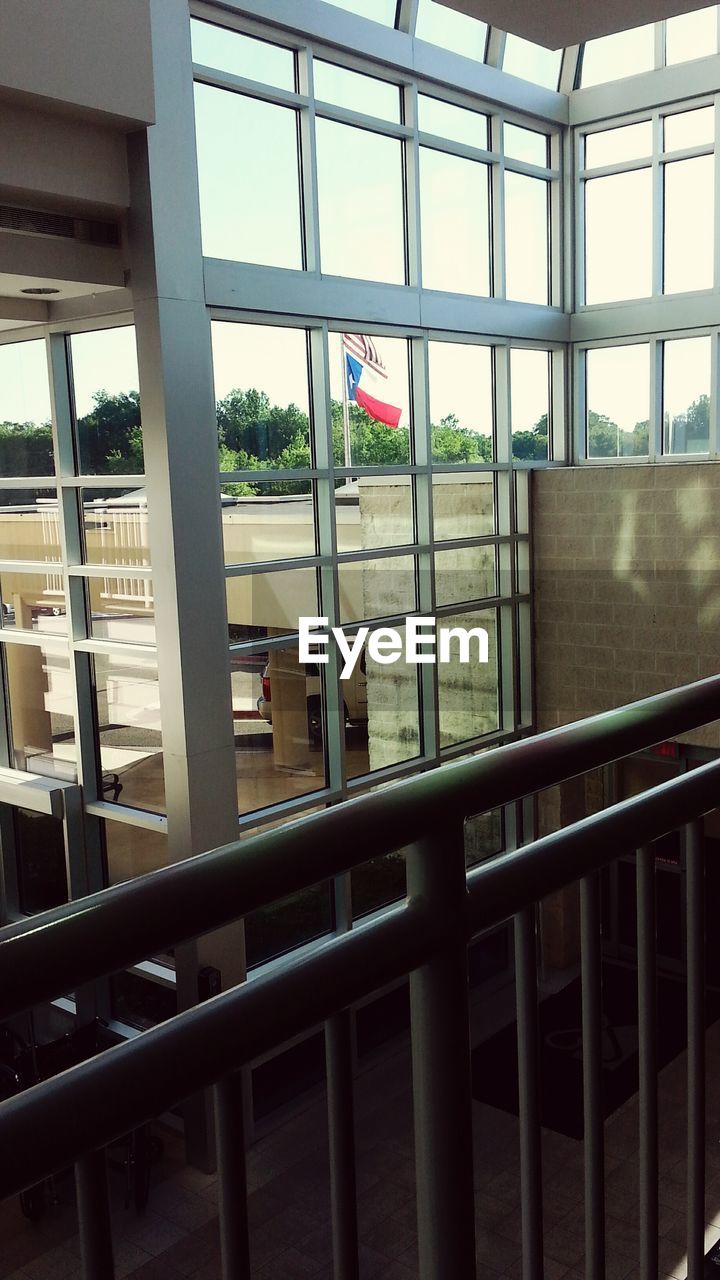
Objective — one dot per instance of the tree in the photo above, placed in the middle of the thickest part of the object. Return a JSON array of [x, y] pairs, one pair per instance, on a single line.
[[527, 445], [110, 436]]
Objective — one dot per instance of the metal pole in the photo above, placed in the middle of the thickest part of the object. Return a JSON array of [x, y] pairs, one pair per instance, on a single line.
[[441, 1066], [346, 408], [341, 1123], [648, 1068], [528, 1094], [93, 1206], [695, 929], [232, 1172], [592, 1038]]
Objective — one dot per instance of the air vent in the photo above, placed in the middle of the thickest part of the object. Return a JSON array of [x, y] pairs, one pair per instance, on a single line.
[[39, 223]]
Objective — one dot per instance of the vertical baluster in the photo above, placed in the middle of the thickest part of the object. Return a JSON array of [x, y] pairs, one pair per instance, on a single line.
[[341, 1120], [695, 931], [93, 1206], [232, 1172], [592, 1039], [647, 1037], [442, 1095], [529, 1094]]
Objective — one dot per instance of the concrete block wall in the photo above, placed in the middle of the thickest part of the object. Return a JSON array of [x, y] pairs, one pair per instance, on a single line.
[[627, 585]]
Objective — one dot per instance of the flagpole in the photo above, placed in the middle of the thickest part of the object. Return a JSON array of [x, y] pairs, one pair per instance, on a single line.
[[346, 408]]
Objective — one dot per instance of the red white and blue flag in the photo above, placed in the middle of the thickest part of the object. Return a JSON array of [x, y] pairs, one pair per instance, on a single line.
[[364, 374]]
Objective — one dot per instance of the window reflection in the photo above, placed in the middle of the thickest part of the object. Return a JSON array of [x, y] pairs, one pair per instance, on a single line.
[[263, 401], [618, 239], [362, 220], [370, 400], [29, 528], [455, 223], [377, 588], [618, 401], [381, 713], [127, 702], [468, 691], [374, 511], [686, 395], [107, 402], [25, 431], [42, 726], [267, 521], [463, 506]]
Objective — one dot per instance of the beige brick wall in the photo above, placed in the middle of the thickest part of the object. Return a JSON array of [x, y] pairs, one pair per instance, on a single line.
[[627, 585]]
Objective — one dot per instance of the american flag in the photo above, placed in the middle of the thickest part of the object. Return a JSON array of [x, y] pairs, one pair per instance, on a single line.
[[363, 348]]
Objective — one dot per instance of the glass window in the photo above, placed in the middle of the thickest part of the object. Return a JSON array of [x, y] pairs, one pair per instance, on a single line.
[[527, 230], [377, 10], [689, 129], [454, 209], [457, 124], [237, 136], [530, 402], [686, 395], [33, 601], [25, 429], [40, 855], [262, 395], [461, 402], [267, 521], [278, 714], [531, 61], [273, 930], [689, 224], [467, 686], [451, 30], [465, 573], [691, 35], [377, 588], [355, 91], [626, 53], [360, 191], [29, 528], [107, 402], [382, 713], [42, 725], [115, 527], [122, 609], [525, 144], [127, 700], [618, 237], [374, 511], [133, 851], [612, 146], [274, 601], [242, 55], [463, 505], [484, 837], [370, 400], [618, 401]]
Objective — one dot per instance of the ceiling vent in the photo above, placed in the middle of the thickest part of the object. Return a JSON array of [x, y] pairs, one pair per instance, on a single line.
[[39, 223]]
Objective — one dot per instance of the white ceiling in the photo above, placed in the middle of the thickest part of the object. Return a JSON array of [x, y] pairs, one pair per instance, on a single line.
[[557, 23]]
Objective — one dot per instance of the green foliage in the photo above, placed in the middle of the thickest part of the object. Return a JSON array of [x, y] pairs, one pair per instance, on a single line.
[[527, 445], [109, 437]]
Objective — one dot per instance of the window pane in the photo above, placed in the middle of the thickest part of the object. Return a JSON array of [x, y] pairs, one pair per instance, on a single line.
[[627, 53], [40, 853], [129, 730], [33, 601], [107, 402], [361, 218], [455, 223], [356, 92], [115, 527], [686, 395], [25, 432], [279, 749], [525, 144], [382, 714], [612, 146], [691, 35], [689, 224], [468, 691], [377, 10], [463, 505], [241, 55], [377, 588], [454, 123], [461, 402], [267, 521], [526, 238], [618, 237], [42, 725], [374, 511], [531, 61], [451, 30], [133, 851], [369, 382], [274, 601], [690, 129], [29, 527], [122, 609], [465, 573], [618, 401], [262, 395], [484, 837], [530, 396], [237, 136]]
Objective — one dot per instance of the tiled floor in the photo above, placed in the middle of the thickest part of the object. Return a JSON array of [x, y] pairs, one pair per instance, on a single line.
[[289, 1201]]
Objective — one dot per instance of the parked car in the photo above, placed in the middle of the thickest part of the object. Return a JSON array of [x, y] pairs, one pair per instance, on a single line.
[[354, 692]]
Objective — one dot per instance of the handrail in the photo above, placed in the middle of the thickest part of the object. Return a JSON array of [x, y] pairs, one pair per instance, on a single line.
[[101, 1099], [61, 950]]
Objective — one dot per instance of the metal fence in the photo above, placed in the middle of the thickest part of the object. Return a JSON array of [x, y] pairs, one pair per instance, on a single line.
[[79, 1112]]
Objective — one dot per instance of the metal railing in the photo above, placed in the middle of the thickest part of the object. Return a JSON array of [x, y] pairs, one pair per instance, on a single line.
[[80, 1112]]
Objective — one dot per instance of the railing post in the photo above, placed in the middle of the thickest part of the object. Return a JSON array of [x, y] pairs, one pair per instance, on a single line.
[[592, 1039], [232, 1175], [442, 1094], [528, 1046], [648, 1067], [93, 1207], [341, 1126], [695, 933]]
